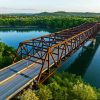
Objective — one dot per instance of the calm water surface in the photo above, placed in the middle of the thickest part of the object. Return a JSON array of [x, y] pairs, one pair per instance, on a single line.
[[13, 38], [85, 62]]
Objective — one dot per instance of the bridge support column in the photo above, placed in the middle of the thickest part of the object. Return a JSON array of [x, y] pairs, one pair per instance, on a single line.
[[34, 85], [94, 42], [31, 85]]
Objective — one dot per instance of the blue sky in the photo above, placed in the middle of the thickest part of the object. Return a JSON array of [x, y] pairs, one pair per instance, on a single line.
[[35, 6]]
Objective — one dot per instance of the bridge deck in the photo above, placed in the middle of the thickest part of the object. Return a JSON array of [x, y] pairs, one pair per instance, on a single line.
[[14, 69], [14, 78], [15, 83]]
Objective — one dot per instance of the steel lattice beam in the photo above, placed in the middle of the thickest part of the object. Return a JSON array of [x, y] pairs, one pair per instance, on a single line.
[[54, 47]]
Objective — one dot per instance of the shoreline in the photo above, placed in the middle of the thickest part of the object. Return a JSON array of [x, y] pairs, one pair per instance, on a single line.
[[19, 27], [22, 27], [28, 28]]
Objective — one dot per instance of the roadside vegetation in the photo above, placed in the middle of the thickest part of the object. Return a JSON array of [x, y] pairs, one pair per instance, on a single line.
[[63, 86], [6, 55]]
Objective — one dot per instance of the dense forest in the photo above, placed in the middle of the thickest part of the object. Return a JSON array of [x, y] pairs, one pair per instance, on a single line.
[[44, 21]]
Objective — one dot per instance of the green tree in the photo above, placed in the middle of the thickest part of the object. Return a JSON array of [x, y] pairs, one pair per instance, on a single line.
[[81, 91], [6, 55], [58, 92], [72, 87], [28, 95], [44, 93]]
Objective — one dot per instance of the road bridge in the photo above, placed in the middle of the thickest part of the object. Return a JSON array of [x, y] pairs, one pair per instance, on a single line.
[[41, 57]]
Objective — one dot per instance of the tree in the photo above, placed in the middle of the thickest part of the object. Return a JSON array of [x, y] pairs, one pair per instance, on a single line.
[[81, 91], [58, 92], [44, 93], [28, 95], [44, 21], [71, 87], [6, 55]]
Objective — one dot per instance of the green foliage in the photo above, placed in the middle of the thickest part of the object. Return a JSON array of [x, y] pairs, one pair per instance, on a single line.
[[44, 93], [58, 92], [81, 91], [67, 86], [6, 55], [75, 87], [28, 95], [44, 21]]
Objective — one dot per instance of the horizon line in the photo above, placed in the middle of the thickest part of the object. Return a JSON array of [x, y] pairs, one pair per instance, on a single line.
[[48, 12]]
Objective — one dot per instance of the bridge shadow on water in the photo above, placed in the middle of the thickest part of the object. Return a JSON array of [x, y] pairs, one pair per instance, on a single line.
[[79, 62]]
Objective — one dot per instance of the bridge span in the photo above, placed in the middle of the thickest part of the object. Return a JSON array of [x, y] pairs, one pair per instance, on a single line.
[[41, 57]]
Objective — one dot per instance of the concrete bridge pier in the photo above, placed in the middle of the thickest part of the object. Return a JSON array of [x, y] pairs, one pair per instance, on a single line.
[[94, 42]]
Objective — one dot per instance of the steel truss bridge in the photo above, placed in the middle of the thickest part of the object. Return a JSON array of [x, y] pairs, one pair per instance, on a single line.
[[41, 57]]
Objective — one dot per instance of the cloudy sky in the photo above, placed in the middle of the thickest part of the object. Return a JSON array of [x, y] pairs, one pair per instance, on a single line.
[[35, 6]]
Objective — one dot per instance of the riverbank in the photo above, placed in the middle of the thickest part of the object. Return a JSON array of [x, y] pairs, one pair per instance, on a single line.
[[29, 28], [19, 27]]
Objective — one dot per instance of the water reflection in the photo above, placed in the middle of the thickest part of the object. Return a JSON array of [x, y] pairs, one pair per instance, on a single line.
[[86, 62], [75, 64], [14, 37], [93, 72], [28, 29], [81, 64]]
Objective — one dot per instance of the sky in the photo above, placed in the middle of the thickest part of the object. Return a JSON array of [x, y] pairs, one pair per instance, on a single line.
[[37, 6]]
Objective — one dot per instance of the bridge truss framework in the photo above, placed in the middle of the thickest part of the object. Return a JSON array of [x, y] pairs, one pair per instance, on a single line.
[[55, 47]]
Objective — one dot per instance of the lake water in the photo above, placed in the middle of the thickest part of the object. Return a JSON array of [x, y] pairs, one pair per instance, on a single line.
[[13, 37], [85, 62]]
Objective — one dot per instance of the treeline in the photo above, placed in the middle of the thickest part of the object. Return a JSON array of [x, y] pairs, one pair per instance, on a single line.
[[63, 13], [6, 55], [43, 21], [63, 86]]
